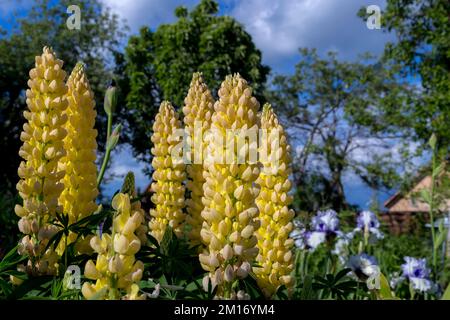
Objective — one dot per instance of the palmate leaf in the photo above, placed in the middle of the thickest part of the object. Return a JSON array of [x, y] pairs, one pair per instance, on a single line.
[[11, 259], [251, 287], [35, 283]]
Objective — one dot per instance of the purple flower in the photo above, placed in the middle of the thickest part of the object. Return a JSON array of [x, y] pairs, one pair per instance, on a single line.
[[326, 221], [415, 268], [367, 220], [418, 274], [363, 265]]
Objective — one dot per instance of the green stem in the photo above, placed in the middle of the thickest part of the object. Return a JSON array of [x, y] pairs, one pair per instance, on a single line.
[[65, 251], [107, 152], [109, 127], [431, 204]]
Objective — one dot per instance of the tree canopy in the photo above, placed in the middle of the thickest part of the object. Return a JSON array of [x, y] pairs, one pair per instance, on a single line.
[[334, 119], [159, 64]]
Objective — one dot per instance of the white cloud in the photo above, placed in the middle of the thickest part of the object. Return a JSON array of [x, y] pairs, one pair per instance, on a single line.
[[151, 13], [123, 162], [280, 27]]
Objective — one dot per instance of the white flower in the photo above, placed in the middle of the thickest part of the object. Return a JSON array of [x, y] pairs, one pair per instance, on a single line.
[[363, 265], [315, 238], [326, 221]]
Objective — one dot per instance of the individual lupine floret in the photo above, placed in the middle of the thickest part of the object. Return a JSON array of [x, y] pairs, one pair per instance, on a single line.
[[198, 108], [80, 180], [168, 174], [40, 178], [275, 258], [229, 191], [116, 270]]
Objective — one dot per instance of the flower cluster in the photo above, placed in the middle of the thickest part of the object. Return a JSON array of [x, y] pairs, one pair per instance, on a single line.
[[275, 256], [168, 176], [40, 176], [197, 111], [80, 180], [416, 271], [116, 268], [230, 213]]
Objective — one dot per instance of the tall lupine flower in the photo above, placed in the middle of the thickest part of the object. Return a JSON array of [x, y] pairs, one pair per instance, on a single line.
[[80, 181], [197, 119], [417, 272], [169, 174], [230, 211], [116, 271], [40, 178], [275, 247]]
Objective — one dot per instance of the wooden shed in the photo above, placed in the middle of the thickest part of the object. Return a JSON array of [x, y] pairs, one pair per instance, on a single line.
[[405, 209]]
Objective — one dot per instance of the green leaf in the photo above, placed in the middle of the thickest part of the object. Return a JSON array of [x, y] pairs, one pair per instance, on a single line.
[[446, 295], [342, 273], [442, 235], [307, 291], [432, 141], [425, 195], [438, 170], [385, 289]]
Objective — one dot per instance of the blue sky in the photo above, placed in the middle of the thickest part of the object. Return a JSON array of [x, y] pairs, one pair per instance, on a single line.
[[278, 27]]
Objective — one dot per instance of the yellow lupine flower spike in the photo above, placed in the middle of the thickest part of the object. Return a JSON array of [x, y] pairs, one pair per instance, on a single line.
[[116, 270], [230, 211], [275, 247], [168, 174], [199, 106], [80, 185], [40, 178]]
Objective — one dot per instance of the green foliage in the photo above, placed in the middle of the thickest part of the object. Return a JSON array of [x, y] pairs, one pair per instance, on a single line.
[[8, 222], [421, 52], [335, 286], [331, 109], [159, 65]]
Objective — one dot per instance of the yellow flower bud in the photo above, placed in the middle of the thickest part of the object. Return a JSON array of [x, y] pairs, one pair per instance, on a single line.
[[80, 180], [275, 256], [168, 175], [198, 109], [116, 270], [42, 149], [228, 188]]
